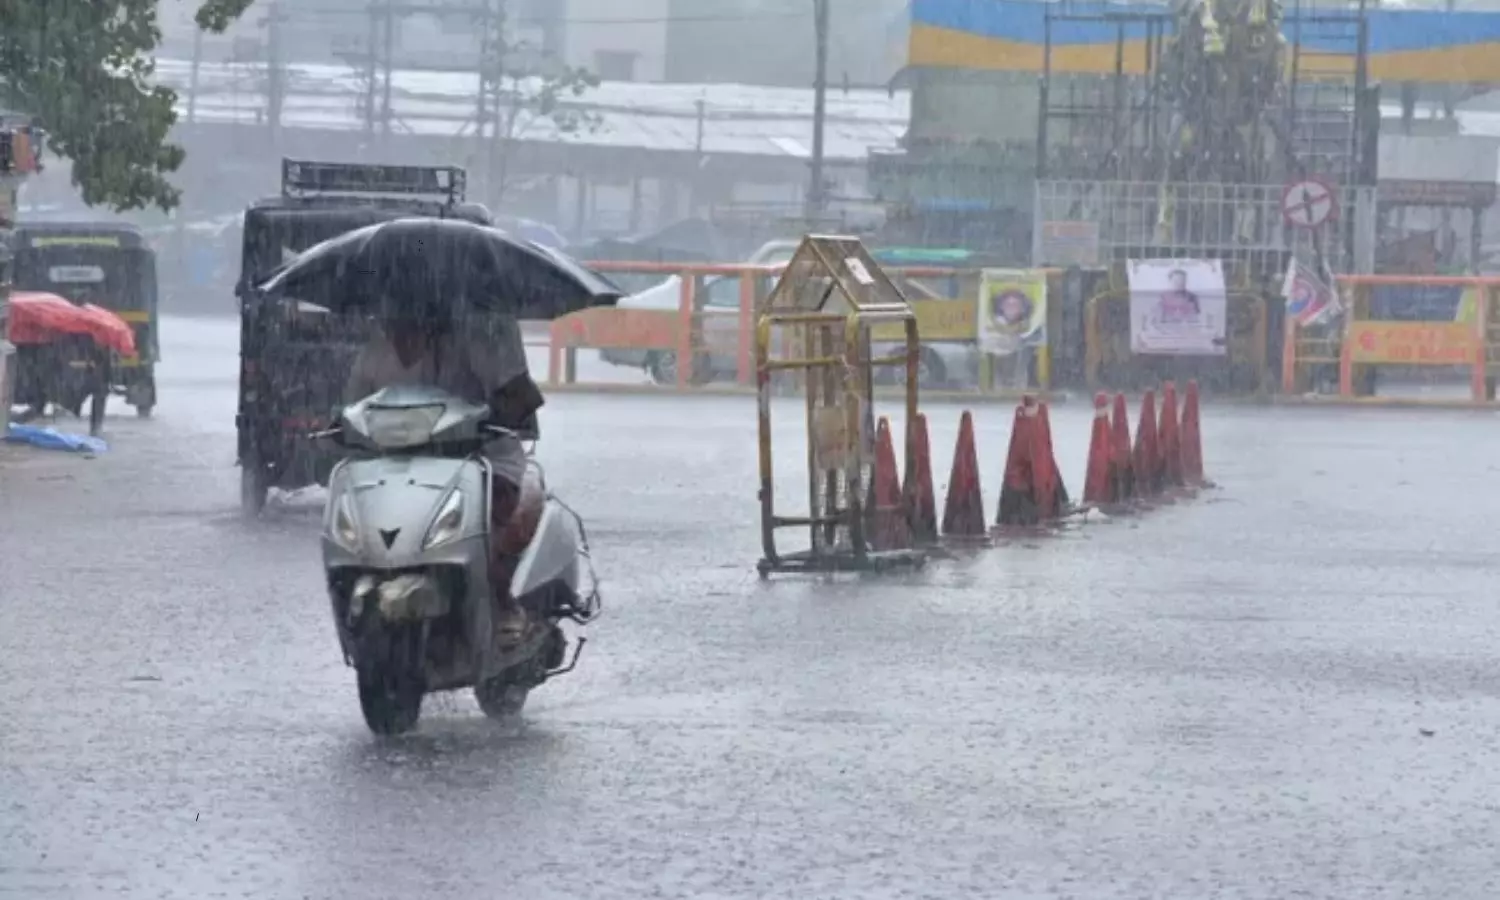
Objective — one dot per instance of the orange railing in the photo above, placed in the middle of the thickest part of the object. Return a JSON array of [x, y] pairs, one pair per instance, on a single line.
[[653, 329], [1463, 341], [679, 330]]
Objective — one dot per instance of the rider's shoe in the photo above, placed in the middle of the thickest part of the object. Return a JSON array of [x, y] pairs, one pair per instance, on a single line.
[[510, 625]]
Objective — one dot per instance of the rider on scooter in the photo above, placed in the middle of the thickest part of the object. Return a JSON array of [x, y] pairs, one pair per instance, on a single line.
[[419, 344]]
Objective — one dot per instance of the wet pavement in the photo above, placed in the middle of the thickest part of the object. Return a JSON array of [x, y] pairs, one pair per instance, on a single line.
[[1283, 688]]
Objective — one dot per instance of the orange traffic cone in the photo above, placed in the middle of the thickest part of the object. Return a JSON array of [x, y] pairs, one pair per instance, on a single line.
[[1098, 485], [1147, 458], [1122, 474], [921, 502], [1047, 481], [1192, 440], [888, 527], [1017, 498], [1170, 440], [963, 508]]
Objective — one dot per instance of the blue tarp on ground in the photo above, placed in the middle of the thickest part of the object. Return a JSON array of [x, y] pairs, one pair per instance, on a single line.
[[52, 439]]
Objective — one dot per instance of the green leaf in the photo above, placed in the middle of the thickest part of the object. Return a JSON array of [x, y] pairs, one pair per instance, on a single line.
[[82, 68], [217, 15]]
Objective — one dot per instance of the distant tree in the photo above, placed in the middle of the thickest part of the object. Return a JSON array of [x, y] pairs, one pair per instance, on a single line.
[[529, 90], [83, 67]]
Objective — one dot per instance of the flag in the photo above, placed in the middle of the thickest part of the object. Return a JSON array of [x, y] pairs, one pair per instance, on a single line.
[[1309, 298]]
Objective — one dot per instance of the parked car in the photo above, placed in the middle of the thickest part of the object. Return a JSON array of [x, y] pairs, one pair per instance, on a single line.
[[940, 364], [721, 327]]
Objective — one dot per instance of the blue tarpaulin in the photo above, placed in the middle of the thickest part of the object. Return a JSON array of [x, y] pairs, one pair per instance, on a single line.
[[52, 439]]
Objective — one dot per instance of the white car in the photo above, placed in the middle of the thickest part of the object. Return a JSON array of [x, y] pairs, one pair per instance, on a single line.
[[941, 364], [721, 328]]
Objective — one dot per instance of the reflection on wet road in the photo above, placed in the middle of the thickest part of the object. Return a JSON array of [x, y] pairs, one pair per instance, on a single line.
[[1284, 688]]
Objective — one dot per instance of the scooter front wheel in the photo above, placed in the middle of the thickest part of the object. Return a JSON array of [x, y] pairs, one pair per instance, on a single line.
[[501, 699], [390, 702]]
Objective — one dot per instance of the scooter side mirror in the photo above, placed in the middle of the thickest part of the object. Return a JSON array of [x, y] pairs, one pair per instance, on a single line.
[[333, 436]]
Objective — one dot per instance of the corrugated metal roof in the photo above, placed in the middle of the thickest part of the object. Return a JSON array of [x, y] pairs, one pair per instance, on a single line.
[[736, 119]]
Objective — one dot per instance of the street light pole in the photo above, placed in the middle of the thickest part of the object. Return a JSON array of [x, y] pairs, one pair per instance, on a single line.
[[815, 192]]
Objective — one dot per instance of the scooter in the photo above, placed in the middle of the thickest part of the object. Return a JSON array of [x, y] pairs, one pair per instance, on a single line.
[[406, 543]]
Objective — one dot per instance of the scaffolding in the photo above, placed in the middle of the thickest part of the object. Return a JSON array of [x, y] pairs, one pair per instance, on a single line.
[[1184, 149]]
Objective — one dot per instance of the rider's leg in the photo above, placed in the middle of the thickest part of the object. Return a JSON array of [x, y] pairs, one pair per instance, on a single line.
[[510, 619]]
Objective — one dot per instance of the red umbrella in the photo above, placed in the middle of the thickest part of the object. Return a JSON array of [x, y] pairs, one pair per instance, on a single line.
[[38, 318]]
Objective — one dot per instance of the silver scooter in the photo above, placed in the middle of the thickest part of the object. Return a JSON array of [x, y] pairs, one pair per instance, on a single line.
[[406, 543]]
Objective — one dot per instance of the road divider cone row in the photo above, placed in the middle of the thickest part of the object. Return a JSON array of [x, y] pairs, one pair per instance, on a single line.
[[1167, 453]]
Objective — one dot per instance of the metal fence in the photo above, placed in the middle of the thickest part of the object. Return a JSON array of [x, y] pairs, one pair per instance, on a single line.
[[1112, 220]]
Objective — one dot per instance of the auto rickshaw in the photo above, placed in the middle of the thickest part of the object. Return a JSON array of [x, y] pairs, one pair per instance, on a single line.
[[106, 264], [294, 356]]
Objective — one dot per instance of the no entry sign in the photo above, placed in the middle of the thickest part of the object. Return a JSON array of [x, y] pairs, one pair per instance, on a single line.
[[1308, 203]]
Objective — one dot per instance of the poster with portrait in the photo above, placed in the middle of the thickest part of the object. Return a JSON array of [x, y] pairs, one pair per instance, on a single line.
[[1177, 307], [1012, 310]]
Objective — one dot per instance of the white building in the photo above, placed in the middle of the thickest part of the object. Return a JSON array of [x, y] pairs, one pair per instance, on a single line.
[[756, 42]]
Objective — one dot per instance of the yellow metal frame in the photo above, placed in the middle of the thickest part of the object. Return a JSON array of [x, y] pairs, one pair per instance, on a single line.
[[841, 381]]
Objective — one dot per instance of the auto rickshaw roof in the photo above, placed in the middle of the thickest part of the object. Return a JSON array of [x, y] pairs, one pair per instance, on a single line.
[[121, 235], [408, 206]]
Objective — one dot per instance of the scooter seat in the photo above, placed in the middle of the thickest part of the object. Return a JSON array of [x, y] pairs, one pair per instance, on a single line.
[[528, 515]]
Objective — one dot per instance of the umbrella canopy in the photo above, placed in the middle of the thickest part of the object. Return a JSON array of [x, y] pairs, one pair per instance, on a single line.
[[448, 262], [37, 318], [532, 230]]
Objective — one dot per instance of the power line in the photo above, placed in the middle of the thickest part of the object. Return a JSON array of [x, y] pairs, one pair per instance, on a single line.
[[670, 20], [535, 20]]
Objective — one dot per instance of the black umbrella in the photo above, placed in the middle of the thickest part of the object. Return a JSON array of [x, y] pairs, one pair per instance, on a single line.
[[448, 262]]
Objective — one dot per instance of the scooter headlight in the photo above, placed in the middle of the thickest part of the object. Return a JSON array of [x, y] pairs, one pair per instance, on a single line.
[[345, 526], [449, 521], [400, 427]]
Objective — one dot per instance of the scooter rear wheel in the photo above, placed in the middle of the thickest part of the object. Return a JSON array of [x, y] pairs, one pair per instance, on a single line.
[[391, 704]]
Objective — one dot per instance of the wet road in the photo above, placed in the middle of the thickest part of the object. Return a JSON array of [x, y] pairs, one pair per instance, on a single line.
[[1284, 689]]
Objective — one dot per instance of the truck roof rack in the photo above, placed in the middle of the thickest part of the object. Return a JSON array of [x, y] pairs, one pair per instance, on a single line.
[[306, 178]]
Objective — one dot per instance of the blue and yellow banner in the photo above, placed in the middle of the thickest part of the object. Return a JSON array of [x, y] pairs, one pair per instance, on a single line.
[[1429, 46]]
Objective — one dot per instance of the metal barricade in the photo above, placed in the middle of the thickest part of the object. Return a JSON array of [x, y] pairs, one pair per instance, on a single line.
[[1440, 326], [831, 295]]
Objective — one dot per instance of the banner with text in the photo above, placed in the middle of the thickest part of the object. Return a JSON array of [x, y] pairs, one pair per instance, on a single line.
[[1177, 307]]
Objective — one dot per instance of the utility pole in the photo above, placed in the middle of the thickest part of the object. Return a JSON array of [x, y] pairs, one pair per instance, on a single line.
[[815, 192], [388, 64], [192, 99], [373, 13], [492, 63], [275, 72]]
